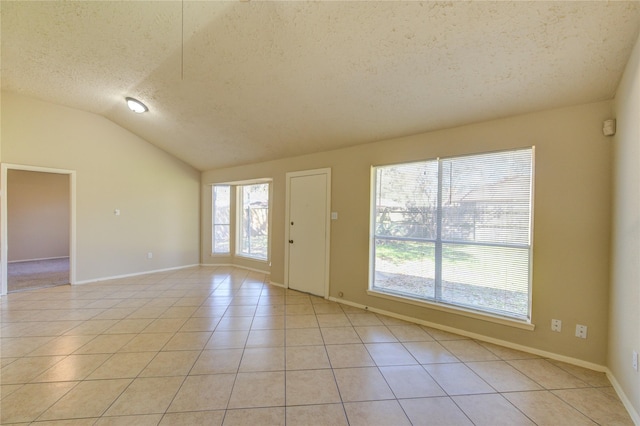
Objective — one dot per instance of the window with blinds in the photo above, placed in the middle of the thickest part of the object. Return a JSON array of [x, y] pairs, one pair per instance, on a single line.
[[456, 231]]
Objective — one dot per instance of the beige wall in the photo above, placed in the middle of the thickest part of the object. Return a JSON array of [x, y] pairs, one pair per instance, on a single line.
[[572, 216], [624, 333], [158, 195], [38, 215]]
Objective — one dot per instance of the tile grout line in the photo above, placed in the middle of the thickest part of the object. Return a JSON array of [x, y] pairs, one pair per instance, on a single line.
[[194, 362], [333, 372], [190, 291], [237, 373]]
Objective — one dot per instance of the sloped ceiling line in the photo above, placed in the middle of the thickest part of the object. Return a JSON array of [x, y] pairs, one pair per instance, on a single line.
[[231, 83]]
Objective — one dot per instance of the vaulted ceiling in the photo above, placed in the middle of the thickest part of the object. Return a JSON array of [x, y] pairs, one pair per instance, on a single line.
[[231, 82]]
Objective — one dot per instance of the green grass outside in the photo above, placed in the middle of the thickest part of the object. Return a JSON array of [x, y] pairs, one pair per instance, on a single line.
[[494, 267], [410, 251]]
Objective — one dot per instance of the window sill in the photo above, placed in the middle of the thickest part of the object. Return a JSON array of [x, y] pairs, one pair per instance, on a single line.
[[524, 325], [255, 259]]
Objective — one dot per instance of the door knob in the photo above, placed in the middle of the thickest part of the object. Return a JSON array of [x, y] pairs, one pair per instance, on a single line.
[[290, 241]]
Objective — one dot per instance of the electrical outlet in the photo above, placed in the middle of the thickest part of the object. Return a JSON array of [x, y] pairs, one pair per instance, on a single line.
[[556, 325], [581, 331], [635, 360], [149, 255]]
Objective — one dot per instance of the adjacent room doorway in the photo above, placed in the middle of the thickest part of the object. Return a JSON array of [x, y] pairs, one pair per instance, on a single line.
[[307, 227], [38, 227]]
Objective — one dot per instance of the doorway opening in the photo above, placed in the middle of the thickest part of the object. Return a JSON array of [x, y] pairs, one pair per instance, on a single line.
[[38, 228]]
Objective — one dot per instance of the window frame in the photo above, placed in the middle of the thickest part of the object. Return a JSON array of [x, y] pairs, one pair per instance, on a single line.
[[214, 224], [433, 303], [239, 203]]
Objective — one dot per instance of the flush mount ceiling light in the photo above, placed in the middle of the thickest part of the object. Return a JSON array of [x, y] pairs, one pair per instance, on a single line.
[[136, 106]]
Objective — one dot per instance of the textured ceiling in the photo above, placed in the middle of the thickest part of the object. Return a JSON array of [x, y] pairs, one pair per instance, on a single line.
[[232, 83]]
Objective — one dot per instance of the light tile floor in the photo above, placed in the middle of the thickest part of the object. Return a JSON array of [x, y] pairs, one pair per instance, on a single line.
[[220, 346]]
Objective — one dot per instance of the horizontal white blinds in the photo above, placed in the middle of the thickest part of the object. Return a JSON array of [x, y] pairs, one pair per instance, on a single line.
[[457, 231], [486, 198]]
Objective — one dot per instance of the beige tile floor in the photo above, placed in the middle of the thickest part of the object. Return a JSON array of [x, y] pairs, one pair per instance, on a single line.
[[220, 346]]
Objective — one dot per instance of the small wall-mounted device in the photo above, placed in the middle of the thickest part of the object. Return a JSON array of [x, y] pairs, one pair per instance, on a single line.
[[609, 127]]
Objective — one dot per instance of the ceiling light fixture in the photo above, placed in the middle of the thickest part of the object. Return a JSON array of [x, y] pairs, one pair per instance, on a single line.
[[136, 106]]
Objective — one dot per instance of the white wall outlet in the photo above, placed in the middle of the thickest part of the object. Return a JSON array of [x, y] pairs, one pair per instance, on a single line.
[[556, 325], [635, 360], [581, 331], [149, 255], [116, 212], [334, 215]]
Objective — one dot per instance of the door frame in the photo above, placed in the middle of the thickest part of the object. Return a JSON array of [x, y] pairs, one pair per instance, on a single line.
[[289, 176], [4, 241]]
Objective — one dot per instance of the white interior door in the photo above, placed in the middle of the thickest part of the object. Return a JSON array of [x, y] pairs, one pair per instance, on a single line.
[[308, 231]]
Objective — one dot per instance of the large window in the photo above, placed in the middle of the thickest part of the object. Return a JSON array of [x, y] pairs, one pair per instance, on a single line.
[[221, 207], [253, 221], [456, 231]]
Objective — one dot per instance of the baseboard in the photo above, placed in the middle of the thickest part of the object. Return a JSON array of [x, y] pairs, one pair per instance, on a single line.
[[277, 284], [135, 274], [483, 338], [236, 266], [633, 413], [37, 260], [635, 416]]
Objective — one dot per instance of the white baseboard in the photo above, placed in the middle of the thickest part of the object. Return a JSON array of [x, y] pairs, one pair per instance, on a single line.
[[635, 416], [216, 265], [277, 284], [135, 274], [37, 260], [483, 338], [236, 266]]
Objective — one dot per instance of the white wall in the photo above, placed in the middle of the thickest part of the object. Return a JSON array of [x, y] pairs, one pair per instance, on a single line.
[[158, 195], [624, 322], [38, 215]]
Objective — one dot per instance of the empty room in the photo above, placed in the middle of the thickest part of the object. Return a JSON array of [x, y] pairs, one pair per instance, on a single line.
[[319, 213]]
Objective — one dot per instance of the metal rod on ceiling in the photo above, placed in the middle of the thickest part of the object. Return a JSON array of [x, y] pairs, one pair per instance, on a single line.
[[182, 43]]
